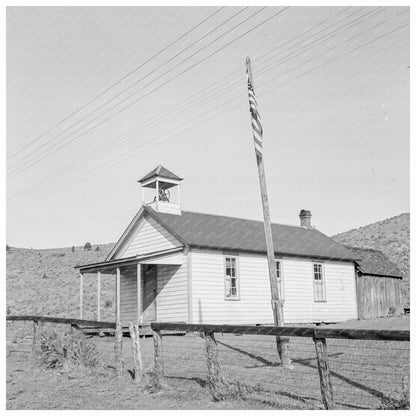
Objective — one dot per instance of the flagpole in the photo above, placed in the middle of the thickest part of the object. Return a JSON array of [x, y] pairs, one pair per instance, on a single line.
[[277, 304]]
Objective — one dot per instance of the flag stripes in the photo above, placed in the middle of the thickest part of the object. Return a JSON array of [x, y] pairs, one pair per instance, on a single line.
[[255, 120]]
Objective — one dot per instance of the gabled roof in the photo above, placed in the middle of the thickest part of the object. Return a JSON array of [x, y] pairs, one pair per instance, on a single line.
[[236, 234], [375, 262], [160, 171]]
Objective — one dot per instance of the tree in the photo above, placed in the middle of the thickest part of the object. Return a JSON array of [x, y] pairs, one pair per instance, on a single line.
[[97, 248], [8, 248], [73, 248], [87, 246]]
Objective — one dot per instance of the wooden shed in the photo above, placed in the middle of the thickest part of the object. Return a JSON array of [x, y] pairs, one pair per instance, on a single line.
[[378, 283]]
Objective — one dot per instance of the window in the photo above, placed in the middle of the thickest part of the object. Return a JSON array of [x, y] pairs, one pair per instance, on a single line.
[[231, 277], [279, 278], [318, 283]]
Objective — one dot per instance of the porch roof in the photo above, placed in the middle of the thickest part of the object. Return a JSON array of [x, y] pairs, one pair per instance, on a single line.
[[163, 257]]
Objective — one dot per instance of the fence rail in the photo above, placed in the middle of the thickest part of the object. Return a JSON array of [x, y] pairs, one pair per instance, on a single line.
[[69, 321], [310, 332]]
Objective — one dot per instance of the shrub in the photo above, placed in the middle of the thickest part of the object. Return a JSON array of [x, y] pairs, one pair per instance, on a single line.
[[8, 248], [44, 276], [73, 249], [108, 303], [87, 246], [9, 310], [97, 248], [150, 382], [71, 349], [401, 402]]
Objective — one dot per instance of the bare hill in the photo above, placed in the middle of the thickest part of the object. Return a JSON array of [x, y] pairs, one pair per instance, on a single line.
[[44, 282], [392, 237]]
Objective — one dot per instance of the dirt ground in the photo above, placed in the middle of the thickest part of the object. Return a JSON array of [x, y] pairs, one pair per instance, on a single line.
[[251, 359], [30, 387]]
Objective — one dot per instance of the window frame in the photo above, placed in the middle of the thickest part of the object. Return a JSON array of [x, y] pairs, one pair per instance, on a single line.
[[323, 280], [237, 276], [281, 278]]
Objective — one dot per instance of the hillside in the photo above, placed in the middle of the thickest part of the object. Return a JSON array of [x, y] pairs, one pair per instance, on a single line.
[[392, 237], [44, 282]]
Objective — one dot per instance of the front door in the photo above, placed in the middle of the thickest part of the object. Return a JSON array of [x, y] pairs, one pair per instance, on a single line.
[[149, 293]]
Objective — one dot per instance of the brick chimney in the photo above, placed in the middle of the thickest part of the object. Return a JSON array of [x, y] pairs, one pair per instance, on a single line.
[[305, 218]]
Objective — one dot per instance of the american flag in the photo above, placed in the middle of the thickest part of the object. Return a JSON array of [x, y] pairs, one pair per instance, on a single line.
[[255, 120]]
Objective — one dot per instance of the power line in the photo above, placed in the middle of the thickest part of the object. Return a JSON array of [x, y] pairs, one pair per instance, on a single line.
[[135, 83], [153, 90], [128, 97], [216, 95], [269, 89], [117, 82]]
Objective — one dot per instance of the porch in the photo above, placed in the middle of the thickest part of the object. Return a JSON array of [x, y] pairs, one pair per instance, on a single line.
[[142, 286]]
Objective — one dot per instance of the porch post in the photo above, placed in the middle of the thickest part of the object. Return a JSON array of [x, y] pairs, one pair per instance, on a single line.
[[99, 295], [157, 195], [81, 294], [139, 293], [118, 295]]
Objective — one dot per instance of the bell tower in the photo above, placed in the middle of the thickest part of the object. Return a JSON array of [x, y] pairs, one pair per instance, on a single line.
[[160, 190]]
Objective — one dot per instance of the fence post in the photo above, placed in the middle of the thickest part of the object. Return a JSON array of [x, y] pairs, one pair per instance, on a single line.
[[118, 347], [36, 337], [215, 380], [327, 391], [158, 365], [135, 348]]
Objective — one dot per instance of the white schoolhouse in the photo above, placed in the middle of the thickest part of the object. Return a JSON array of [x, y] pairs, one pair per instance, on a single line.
[[174, 265]]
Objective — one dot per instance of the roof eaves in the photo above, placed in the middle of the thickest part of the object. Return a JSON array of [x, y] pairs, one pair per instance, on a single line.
[[277, 253], [125, 233]]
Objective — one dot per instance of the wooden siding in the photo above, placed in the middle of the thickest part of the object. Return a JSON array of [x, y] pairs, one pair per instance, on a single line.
[[172, 293], [378, 296], [148, 237], [128, 295], [298, 294], [210, 306], [340, 294]]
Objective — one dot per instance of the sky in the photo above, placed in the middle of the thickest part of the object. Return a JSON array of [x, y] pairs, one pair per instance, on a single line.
[[99, 96]]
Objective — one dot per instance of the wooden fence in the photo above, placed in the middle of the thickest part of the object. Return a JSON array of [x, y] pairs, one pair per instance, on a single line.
[[214, 377], [319, 336]]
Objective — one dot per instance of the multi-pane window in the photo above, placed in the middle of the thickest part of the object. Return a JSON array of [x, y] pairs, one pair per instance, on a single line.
[[279, 278], [231, 277], [318, 282]]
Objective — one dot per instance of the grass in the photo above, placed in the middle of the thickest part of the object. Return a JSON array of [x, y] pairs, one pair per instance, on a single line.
[[365, 374], [44, 282]]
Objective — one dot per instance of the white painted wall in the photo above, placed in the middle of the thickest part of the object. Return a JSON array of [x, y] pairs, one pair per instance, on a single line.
[[341, 300], [148, 237], [171, 299], [210, 306], [172, 293]]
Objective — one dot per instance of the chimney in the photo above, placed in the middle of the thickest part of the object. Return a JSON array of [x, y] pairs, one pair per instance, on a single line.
[[305, 218]]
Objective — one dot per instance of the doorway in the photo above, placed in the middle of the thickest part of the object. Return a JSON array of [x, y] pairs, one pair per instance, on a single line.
[[149, 293]]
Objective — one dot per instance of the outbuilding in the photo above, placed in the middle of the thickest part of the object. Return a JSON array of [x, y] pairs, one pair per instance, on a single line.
[[378, 283]]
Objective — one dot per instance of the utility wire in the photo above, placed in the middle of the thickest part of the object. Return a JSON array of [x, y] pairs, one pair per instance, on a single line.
[[128, 97], [132, 85], [126, 139], [118, 82], [155, 89], [224, 112]]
